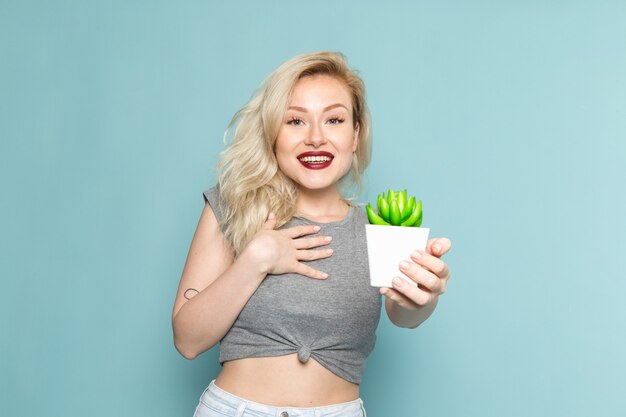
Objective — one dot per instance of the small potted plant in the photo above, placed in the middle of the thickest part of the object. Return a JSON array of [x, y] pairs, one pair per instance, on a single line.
[[393, 233]]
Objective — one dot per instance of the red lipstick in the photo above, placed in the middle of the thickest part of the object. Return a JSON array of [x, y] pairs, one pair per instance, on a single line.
[[316, 159]]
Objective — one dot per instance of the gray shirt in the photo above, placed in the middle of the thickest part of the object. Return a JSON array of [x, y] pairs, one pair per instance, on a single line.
[[333, 321]]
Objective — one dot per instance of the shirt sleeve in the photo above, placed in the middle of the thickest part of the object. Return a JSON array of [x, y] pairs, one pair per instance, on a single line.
[[212, 196]]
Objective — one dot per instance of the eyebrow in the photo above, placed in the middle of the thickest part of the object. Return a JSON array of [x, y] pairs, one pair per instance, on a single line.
[[332, 106]]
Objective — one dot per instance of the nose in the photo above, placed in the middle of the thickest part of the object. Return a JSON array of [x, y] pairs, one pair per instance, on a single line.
[[315, 136]]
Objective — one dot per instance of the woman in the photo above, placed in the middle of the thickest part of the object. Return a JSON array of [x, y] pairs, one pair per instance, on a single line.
[[277, 269]]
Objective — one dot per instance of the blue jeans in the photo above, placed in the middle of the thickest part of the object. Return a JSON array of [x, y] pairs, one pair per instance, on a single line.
[[215, 402]]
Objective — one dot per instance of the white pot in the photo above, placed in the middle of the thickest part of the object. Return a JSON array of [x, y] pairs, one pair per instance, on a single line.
[[387, 246]]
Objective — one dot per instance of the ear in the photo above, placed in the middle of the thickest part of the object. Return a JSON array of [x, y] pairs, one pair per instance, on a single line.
[[355, 140]]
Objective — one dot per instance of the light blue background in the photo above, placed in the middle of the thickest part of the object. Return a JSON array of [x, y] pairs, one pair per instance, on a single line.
[[507, 118]]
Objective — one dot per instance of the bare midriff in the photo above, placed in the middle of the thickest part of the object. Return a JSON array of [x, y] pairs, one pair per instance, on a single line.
[[285, 381]]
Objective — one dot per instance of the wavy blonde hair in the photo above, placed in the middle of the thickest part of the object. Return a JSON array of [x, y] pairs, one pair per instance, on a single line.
[[250, 182]]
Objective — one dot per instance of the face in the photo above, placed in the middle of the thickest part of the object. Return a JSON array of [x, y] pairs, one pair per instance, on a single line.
[[317, 137]]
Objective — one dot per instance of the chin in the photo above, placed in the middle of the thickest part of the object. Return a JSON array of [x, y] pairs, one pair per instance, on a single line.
[[315, 186], [316, 181]]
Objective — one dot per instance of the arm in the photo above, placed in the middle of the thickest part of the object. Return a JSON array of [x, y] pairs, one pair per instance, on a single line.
[[221, 288], [223, 285], [408, 305], [407, 317]]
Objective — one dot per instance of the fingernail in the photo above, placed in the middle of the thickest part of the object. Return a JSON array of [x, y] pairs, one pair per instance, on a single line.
[[316, 228], [329, 251], [328, 238], [437, 248], [324, 275], [404, 265], [416, 254], [397, 282]]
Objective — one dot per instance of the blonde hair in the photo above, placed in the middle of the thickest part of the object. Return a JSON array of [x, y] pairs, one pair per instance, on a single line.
[[251, 184]]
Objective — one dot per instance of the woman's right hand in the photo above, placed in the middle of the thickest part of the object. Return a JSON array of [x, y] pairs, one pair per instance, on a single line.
[[282, 251]]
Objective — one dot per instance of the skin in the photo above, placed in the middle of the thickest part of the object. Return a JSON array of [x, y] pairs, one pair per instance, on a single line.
[[319, 118], [222, 284], [407, 305]]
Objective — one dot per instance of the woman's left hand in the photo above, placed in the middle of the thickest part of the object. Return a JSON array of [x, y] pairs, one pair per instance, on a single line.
[[427, 270]]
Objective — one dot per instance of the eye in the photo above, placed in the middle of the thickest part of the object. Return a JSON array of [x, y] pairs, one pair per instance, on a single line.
[[336, 120], [295, 121]]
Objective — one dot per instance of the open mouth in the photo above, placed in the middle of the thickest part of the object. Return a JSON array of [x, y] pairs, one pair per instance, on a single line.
[[316, 160]]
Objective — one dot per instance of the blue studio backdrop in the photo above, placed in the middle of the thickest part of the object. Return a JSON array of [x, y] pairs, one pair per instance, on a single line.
[[507, 118]]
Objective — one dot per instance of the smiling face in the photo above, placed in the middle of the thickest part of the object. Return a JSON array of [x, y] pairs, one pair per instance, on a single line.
[[317, 137]]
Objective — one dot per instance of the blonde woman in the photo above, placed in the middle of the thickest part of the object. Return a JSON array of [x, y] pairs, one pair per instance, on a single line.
[[277, 271]]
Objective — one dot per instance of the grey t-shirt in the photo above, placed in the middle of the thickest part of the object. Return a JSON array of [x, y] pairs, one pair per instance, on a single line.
[[333, 321]]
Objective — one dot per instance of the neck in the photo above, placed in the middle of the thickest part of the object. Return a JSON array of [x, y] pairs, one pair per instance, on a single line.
[[321, 205]]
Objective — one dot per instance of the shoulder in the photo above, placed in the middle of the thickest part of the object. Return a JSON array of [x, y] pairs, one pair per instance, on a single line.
[[359, 212], [212, 197]]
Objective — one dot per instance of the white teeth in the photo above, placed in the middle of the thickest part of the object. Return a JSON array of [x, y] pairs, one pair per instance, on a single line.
[[315, 159]]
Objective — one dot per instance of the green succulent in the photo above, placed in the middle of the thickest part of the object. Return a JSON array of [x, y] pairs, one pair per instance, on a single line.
[[394, 209]]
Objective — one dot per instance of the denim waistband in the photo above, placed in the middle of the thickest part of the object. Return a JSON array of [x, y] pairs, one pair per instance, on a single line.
[[230, 403]]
